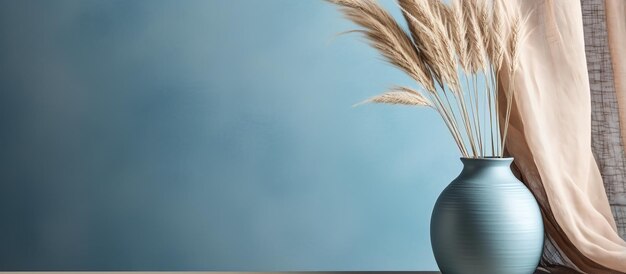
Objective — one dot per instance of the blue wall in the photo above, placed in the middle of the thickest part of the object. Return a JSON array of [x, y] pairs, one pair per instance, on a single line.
[[207, 135]]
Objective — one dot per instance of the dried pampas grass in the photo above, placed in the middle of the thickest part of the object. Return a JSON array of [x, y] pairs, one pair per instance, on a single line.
[[449, 50], [400, 96]]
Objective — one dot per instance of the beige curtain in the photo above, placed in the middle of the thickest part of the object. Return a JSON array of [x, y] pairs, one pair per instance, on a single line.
[[565, 114]]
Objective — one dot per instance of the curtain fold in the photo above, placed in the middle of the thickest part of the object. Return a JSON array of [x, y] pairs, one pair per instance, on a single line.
[[550, 135], [616, 31], [616, 43]]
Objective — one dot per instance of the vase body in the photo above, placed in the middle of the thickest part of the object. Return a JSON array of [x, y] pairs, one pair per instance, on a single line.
[[486, 221]]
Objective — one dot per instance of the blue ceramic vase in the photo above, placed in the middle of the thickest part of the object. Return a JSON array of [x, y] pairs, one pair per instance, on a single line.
[[486, 222]]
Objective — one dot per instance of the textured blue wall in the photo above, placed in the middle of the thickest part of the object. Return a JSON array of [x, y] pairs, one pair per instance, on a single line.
[[207, 135]]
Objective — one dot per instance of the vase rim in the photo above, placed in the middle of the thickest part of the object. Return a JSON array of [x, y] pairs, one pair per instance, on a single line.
[[490, 158]]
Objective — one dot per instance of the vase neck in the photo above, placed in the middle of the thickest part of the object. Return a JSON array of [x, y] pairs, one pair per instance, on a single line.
[[486, 162], [475, 166]]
